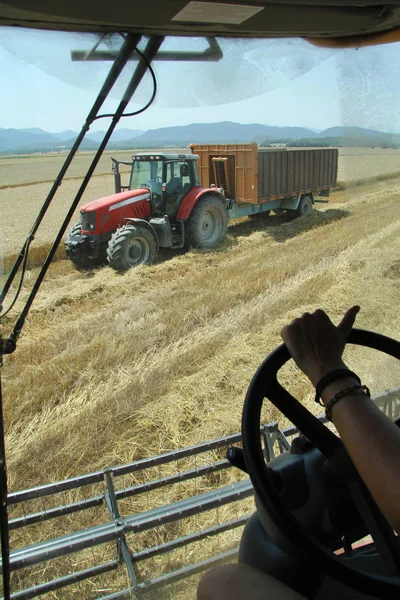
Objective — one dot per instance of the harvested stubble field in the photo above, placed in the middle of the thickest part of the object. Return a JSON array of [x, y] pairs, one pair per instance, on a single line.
[[111, 368]]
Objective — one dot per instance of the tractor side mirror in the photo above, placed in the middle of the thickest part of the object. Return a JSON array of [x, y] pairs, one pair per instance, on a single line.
[[184, 172]]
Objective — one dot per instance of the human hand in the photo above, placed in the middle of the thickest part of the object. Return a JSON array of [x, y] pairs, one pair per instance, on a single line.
[[316, 345]]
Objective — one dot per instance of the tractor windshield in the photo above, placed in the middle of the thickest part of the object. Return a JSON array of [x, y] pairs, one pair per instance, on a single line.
[[146, 173]]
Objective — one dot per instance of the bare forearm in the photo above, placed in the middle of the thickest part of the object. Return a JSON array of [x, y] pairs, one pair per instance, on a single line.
[[371, 439], [373, 443]]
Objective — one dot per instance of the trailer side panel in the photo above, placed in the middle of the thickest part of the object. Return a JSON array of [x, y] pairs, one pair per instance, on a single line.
[[283, 173], [250, 175]]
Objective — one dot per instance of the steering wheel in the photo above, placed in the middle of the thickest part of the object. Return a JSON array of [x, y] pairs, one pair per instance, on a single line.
[[265, 385]]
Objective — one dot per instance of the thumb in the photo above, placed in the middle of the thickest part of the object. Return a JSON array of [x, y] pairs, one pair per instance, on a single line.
[[346, 324]]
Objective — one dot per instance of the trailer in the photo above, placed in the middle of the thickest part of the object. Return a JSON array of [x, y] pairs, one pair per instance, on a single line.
[[258, 180], [186, 200]]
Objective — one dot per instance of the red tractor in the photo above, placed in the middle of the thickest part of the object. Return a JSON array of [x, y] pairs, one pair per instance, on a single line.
[[163, 206]]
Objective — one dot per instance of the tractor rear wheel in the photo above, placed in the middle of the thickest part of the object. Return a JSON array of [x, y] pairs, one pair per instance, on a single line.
[[207, 224], [305, 207], [130, 246]]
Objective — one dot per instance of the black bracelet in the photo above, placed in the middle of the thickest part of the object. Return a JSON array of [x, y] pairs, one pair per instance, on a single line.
[[328, 378], [342, 394]]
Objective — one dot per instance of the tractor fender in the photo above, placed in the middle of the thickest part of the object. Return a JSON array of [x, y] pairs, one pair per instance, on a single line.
[[193, 197], [132, 221]]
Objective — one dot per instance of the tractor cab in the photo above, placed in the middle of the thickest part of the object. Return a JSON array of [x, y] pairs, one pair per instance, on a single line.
[[168, 177]]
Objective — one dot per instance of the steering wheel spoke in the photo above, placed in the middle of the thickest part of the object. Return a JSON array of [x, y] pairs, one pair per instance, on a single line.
[[319, 435]]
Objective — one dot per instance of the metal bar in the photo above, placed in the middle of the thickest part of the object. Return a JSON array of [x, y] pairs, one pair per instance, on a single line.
[[126, 556], [101, 534], [387, 403], [189, 506], [125, 594], [188, 571], [120, 61], [269, 441], [151, 50], [163, 481], [74, 542], [161, 459], [55, 488], [60, 582], [119, 495], [284, 445], [211, 54], [53, 513], [188, 539], [112, 504]]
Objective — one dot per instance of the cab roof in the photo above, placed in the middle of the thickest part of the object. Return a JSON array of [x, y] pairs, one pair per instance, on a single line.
[[325, 22], [158, 156]]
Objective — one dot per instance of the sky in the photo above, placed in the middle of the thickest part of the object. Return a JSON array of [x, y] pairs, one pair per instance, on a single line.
[[274, 82]]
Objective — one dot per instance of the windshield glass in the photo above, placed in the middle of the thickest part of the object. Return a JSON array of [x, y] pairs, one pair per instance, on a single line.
[[146, 174], [147, 330]]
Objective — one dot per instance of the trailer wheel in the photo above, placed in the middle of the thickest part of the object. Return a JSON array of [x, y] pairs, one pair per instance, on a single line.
[[305, 207], [130, 246], [207, 224]]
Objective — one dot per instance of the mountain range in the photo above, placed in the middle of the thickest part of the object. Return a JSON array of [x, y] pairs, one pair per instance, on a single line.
[[37, 140]]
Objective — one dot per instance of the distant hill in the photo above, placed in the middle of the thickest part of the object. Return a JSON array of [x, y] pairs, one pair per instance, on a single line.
[[63, 135], [66, 135], [33, 139], [25, 141], [223, 132], [363, 137], [342, 136], [352, 132], [119, 135], [16, 139]]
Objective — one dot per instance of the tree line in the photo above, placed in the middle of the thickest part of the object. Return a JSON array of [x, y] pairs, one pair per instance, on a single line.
[[328, 142]]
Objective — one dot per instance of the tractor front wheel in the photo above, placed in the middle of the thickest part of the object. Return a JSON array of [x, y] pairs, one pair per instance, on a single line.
[[75, 229], [81, 259], [207, 224], [130, 246]]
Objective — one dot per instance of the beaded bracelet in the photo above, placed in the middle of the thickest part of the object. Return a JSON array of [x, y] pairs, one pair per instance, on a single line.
[[342, 394], [329, 378]]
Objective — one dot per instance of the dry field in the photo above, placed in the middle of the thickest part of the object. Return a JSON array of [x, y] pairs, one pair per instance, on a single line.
[[111, 368], [25, 182]]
